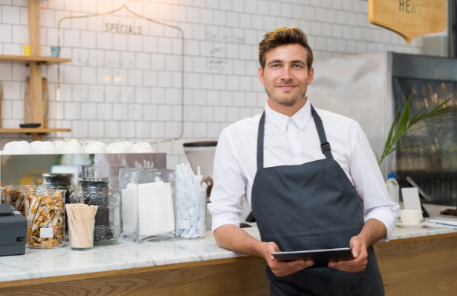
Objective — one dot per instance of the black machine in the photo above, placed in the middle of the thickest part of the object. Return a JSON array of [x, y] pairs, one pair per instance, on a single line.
[[13, 231]]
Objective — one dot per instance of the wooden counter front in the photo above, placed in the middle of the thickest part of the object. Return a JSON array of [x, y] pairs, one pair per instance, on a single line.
[[413, 266]]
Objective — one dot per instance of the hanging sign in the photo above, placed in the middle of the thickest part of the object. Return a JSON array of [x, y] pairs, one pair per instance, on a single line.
[[408, 18]]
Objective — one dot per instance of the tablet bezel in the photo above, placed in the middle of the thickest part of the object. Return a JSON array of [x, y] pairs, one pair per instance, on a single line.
[[321, 258]]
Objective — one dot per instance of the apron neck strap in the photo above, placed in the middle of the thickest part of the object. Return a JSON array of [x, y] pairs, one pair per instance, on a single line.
[[325, 146], [260, 137]]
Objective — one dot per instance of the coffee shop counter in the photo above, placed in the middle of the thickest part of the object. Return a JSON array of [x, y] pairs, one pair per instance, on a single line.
[[415, 262]]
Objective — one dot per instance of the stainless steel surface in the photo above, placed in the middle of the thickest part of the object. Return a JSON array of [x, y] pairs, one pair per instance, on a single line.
[[423, 67], [28, 169], [360, 88], [371, 88]]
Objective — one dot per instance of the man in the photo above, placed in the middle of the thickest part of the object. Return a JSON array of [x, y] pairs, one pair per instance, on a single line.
[[299, 169]]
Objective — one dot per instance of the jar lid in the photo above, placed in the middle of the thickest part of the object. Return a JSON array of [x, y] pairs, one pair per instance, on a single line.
[[94, 180], [56, 177], [201, 144]]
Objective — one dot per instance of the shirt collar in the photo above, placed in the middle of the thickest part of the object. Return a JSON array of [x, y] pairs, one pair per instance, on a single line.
[[280, 120]]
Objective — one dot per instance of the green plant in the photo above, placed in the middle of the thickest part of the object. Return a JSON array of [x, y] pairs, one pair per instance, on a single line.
[[403, 126]]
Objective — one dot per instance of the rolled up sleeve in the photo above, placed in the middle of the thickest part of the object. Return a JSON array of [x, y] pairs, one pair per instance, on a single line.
[[369, 182], [229, 187]]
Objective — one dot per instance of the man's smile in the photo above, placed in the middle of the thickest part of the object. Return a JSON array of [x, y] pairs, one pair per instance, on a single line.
[[286, 87]]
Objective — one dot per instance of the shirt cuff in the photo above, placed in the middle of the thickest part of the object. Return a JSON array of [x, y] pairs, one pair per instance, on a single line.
[[220, 219], [387, 217]]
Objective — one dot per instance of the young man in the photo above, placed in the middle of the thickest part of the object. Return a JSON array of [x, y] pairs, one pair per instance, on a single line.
[[299, 169]]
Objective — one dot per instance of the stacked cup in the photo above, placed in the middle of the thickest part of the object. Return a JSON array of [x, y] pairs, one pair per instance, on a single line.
[[73, 147]]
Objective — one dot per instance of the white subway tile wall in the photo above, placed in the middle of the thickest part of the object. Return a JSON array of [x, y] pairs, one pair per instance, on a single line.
[[125, 76]]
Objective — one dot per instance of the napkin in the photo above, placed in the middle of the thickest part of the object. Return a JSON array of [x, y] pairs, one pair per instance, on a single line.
[[155, 208]]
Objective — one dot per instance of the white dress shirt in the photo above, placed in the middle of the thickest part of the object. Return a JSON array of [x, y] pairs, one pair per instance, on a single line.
[[294, 141]]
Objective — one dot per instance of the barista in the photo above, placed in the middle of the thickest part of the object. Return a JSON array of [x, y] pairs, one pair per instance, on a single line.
[[309, 175]]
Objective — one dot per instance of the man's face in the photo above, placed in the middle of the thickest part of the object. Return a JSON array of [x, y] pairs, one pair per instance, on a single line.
[[286, 75]]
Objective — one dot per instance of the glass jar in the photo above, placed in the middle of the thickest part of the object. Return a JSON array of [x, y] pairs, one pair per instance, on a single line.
[[45, 214], [59, 181], [62, 182], [148, 198], [97, 191], [16, 196]]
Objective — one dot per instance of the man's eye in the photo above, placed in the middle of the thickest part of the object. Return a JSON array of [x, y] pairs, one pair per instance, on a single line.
[[297, 66], [275, 65]]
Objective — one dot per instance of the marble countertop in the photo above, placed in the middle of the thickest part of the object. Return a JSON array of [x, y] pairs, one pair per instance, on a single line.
[[124, 255]]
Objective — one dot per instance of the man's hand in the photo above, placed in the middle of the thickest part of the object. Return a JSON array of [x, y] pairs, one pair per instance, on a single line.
[[283, 268], [359, 250]]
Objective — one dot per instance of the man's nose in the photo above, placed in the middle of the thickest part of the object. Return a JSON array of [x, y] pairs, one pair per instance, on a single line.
[[286, 73]]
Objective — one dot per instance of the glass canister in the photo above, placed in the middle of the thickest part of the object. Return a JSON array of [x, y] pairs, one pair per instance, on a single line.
[[16, 195], [103, 171], [97, 191], [59, 181], [45, 213], [148, 197]]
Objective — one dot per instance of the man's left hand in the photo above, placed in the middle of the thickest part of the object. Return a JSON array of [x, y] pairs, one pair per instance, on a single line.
[[359, 250]]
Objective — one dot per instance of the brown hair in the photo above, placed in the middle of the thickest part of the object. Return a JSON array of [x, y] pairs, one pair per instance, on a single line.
[[281, 37]]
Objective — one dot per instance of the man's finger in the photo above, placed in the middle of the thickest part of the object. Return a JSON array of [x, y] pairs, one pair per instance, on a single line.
[[355, 246], [354, 262], [293, 264]]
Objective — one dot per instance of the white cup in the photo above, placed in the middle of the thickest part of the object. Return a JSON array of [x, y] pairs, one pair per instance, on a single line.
[[7, 148], [117, 147], [22, 147], [35, 144], [411, 216], [59, 145], [46, 148], [141, 147], [94, 147], [71, 148], [128, 144]]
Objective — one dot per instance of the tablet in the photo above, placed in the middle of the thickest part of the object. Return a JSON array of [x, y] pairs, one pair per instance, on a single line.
[[321, 258]]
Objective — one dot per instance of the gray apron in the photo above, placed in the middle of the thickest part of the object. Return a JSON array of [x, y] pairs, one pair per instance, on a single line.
[[311, 206]]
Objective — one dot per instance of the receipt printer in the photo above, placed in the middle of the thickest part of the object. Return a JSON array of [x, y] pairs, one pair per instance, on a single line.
[[13, 231]]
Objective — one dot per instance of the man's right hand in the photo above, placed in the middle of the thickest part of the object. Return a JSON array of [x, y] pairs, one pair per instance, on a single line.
[[281, 269]]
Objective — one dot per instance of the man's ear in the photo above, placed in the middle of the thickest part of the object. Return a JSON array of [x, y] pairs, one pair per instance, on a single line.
[[261, 75], [310, 75]]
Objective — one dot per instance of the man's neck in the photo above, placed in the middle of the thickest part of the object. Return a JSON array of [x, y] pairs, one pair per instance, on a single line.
[[286, 110]]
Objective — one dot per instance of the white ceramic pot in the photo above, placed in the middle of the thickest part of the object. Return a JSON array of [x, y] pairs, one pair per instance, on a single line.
[[59, 145], [71, 148], [94, 147], [117, 147], [35, 144], [22, 147], [142, 147], [46, 148], [7, 148]]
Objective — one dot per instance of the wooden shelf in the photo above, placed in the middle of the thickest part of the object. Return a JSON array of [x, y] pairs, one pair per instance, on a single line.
[[36, 95], [33, 130], [27, 60]]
